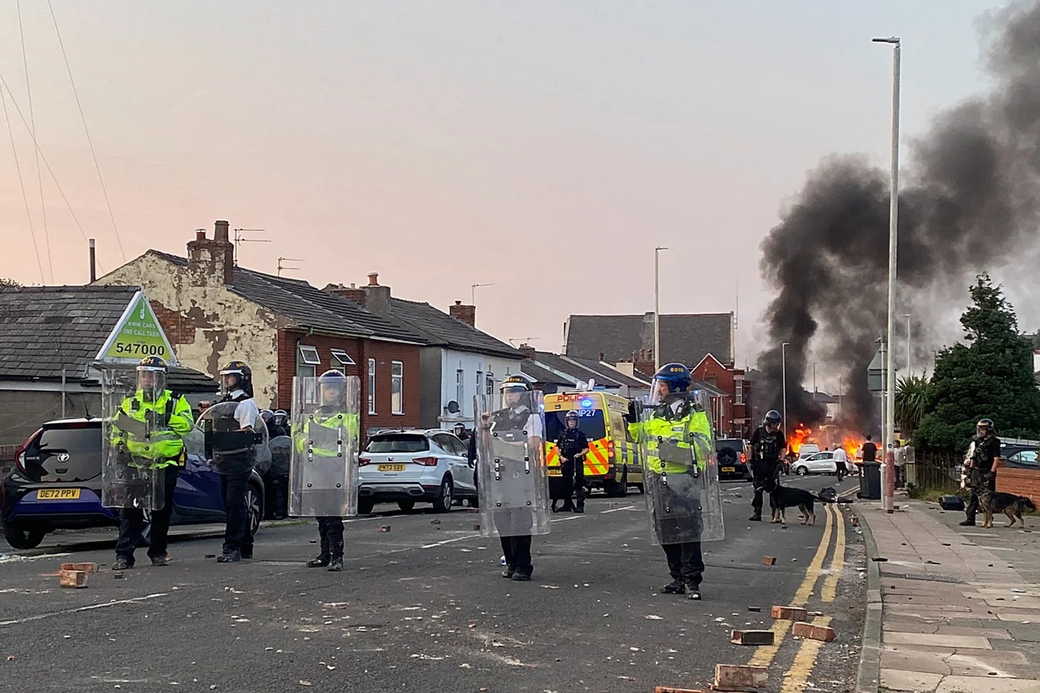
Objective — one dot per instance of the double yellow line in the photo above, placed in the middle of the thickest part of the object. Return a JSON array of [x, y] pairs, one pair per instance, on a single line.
[[797, 677]]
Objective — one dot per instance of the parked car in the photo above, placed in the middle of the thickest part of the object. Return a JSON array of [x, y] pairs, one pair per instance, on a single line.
[[816, 463], [410, 466], [56, 484], [1024, 459], [732, 454]]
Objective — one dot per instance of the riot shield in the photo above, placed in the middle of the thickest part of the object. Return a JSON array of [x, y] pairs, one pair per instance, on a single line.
[[220, 439], [131, 432], [680, 470], [511, 466], [281, 452], [325, 429]]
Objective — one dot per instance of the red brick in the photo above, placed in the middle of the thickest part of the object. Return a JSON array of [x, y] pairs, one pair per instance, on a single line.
[[752, 637], [72, 578], [83, 567], [808, 630], [735, 677], [789, 613]]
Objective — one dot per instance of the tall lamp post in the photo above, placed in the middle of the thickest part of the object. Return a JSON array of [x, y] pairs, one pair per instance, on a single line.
[[908, 341], [657, 307], [783, 377], [887, 487]]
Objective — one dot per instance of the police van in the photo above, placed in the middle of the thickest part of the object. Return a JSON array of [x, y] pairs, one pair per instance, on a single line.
[[612, 462]]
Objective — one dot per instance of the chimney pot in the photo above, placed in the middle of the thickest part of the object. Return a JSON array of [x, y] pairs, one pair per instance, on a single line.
[[464, 313], [200, 234], [373, 278], [220, 231]]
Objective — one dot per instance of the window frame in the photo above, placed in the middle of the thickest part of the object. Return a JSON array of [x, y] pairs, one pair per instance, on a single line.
[[302, 352], [341, 357], [371, 379], [397, 408]]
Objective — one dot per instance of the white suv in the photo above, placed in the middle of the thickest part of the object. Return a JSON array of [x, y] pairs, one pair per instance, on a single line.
[[816, 463], [414, 465]]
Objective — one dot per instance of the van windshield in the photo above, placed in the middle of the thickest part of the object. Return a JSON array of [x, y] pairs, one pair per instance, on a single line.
[[590, 421]]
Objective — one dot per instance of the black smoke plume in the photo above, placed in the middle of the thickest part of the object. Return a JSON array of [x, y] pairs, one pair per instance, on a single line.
[[969, 200]]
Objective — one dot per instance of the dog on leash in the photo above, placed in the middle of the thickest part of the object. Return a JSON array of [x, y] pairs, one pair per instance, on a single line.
[[1008, 503], [783, 497]]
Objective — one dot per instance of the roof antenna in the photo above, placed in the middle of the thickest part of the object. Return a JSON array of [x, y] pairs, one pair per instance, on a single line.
[[282, 266], [241, 238]]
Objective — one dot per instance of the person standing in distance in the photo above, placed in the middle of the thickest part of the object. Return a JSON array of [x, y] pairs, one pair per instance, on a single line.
[[573, 446], [840, 462], [767, 445], [236, 464], [151, 425], [982, 468]]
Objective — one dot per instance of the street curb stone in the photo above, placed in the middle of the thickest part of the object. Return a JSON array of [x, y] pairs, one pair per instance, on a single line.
[[869, 676]]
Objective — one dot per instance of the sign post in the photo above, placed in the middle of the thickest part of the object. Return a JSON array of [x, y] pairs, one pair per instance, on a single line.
[[137, 334]]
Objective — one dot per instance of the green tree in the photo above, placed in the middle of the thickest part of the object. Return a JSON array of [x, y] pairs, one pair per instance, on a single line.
[[911, 398], [990, 376], [5, 282]]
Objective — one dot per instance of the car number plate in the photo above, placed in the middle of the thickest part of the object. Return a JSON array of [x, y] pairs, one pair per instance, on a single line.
[[57, 494], [555, 471], [391, 467], [729, 469]]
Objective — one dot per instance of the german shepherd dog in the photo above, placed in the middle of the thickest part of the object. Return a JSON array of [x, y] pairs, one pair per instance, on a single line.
[[783, 497], [1007, 503]]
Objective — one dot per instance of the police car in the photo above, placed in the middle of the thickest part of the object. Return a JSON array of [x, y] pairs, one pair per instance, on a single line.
[[56, 484]]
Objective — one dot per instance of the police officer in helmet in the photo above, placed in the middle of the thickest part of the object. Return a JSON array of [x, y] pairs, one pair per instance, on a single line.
[[982, 467], [767, 447], [573, 446], [235, 464]]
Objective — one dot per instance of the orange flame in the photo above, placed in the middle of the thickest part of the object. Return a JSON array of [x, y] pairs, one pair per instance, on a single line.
[[798, 437], [852, 446]]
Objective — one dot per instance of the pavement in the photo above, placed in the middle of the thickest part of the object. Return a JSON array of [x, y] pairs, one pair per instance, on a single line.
[[422, 605], [958, 607]]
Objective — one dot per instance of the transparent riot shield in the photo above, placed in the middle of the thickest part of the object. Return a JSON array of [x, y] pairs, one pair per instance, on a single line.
[[224, 442], [511, 465], [131, 436], [680, 470], [325, 429], [281, 452]]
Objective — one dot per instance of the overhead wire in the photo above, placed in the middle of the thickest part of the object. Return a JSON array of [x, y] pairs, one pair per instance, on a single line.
[[86, 130], [21, 184], [32, 130]]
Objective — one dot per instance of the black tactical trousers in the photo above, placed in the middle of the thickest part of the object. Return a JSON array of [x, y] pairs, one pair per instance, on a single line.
[[237, 534], [685, 562], [518, 554], [330, 529], [765, 479], [983, 485], [131, 522]]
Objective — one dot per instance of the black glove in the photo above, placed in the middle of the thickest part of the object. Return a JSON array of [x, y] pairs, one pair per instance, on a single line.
[[634, 411]]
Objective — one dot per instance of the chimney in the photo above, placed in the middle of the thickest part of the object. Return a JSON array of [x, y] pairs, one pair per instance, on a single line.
[[527, 350], [93, 262], [464, 313], [377, 298], [211, 262], [351, 293]]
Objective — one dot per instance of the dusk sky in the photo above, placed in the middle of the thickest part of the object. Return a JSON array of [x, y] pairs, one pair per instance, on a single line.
[[546, 147]]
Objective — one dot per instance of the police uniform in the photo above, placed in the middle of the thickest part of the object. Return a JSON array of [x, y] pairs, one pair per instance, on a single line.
[[766, 449], [572, 444], [153, 430], [234, 464], [982, 480]]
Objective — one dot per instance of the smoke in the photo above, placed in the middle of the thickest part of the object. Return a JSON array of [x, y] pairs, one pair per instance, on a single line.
[[968, 200]]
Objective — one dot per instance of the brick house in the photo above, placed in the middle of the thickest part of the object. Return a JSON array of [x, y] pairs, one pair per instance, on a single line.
[[733, 417], [214, 311]]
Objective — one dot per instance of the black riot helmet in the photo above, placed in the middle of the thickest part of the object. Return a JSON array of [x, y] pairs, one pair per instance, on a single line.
[[985, 426], [236, 375], [151, 376], [571, 416], [773, 417]]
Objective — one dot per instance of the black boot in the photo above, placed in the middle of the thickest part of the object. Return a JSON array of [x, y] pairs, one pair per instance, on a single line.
[[319, 562], [233, 556], [674, 587], [757, 517], [122, 564], [336, 565]]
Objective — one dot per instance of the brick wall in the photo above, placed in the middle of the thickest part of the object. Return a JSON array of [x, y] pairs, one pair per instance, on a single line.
[[360, 350], [1021, 482]]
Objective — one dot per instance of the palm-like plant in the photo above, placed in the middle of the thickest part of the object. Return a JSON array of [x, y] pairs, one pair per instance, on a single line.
[[911, 393]]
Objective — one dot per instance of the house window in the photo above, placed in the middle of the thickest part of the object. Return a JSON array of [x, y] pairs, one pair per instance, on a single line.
[[460, 388], [479, 385], [490, 384], [739, 393], [397, 387], [340, 360], [307, 361], [371, 386]]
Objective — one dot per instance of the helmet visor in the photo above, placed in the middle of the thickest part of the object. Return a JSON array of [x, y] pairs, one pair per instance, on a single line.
[[151, 380], [231, 379], [660, 389]]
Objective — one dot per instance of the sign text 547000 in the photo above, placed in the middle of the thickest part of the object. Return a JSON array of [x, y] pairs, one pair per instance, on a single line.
[[140, 349]]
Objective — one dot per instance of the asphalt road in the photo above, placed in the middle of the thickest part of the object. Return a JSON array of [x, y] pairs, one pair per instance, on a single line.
[[422, 607]]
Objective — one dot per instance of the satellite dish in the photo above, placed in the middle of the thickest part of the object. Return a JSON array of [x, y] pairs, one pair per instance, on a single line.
[[453, 407]]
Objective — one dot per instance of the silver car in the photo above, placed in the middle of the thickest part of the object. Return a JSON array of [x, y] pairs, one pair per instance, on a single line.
[[409, 466]]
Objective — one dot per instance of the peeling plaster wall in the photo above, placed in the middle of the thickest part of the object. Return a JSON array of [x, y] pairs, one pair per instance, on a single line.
[[207, 324]]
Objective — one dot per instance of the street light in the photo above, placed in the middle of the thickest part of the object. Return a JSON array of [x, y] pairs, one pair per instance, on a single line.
[[783, 369], [657, 307], [908, 345], [893, 224]]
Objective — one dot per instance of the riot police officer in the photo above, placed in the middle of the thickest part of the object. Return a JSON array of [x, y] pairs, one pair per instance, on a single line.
[[234, 457], [324, 444], [767, 445], [680, 473], [573, 446], [982, 468], [149, 429]]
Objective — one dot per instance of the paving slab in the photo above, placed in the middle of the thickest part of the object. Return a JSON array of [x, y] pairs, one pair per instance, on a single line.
[[985, 684], [938, 640], [914, 681]]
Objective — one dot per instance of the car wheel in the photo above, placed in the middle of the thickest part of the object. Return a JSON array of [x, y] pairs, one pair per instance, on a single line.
[[365, 505], [406, 505], [616, 489], [442, 503], [24, 538], [801, 471], [254, 508]]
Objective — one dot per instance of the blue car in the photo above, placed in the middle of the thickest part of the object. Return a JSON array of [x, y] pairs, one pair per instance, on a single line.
[[56, 484]]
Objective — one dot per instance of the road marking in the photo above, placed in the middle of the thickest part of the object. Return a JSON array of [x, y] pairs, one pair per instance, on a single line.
[[15, 558], [765, 654], [447, 541], [830, 585], [797, 677], [614, 510], [91, 607], [567, 519]]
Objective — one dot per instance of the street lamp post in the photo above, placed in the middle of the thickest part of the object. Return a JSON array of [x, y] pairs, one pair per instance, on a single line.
[[783, 377], [657, 307], [893, 225], [908, 345]]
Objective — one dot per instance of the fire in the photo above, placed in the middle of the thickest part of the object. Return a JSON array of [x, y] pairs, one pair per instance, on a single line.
[[798, 437], [851, 446]]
